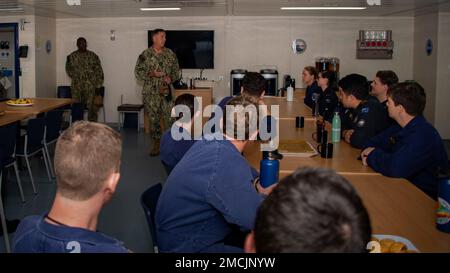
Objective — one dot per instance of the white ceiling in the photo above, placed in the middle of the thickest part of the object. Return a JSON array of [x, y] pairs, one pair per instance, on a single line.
[[130, 8]]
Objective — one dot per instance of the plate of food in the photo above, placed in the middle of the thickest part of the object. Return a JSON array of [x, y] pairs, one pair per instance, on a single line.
[[20, 102], [391, 244]]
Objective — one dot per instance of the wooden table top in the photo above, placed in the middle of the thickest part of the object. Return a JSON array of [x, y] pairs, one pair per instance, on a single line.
[[8, 118], [289, 109], [344, 159], [395, 206], [41, 105]]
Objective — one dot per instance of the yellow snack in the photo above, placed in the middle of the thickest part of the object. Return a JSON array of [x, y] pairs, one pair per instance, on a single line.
[[386, 245], [397, 248], [20, 101]]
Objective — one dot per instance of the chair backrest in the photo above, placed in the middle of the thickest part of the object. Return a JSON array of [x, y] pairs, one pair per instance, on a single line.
[[53, 123], [64, 92], [35, 132], [149, 200], [77, 111], [8, 142]]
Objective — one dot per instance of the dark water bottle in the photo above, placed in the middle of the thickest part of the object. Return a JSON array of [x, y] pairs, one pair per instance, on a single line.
[[269, 168], [443, 211]]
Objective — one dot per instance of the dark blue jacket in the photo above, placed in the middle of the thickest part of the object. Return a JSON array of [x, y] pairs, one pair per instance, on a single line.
[[208, 193], [171, 150], [35, 235], [310, 90], [328, 102], [367, 120], [414, 152]]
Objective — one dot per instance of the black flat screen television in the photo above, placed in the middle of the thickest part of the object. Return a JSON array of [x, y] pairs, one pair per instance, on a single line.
[[194, 48]]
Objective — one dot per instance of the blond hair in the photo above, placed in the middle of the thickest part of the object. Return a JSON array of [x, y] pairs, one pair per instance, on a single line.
[[86, 155]]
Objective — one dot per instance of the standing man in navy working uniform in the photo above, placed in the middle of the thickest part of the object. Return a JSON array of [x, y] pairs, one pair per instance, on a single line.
[[365, 118], [413, 148]]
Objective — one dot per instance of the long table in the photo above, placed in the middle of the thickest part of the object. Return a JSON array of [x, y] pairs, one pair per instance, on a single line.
[[41, 105], [395, 206]]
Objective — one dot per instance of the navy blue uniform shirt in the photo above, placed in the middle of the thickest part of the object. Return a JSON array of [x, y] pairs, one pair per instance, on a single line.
[[328, 102], [35, 235], [414, 152], [310, 90], [208, 193], [171, 150], [367, 120]]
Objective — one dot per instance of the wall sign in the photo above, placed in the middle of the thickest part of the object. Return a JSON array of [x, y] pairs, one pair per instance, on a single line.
[[429, 47], [299, 46], [48, 46]]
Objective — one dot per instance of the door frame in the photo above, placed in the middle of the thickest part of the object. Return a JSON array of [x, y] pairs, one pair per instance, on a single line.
[[17, 71]]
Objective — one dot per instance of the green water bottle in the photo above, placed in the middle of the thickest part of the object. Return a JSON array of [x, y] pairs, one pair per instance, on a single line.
[[336, 128]]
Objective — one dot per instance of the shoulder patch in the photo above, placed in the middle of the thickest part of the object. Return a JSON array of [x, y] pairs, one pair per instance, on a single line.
[[142, 57], [365, 110]]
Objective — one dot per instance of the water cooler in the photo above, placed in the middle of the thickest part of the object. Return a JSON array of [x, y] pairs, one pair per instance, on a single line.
[[236, 77], [271, 76]]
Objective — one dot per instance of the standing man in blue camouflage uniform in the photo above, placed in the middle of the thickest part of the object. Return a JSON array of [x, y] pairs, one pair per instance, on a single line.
[[157, 67], [84, 68]]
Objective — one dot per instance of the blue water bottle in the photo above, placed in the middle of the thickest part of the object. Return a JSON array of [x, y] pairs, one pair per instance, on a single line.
[[443, 211], [269, 168]]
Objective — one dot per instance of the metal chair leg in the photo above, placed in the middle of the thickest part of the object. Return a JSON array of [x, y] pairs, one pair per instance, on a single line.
[[46, 165], [52, 172], [19, 182], [3, 221], [138, 121], [31, 175]]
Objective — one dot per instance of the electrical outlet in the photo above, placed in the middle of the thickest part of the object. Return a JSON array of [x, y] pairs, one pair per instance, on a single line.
[[221, 78]]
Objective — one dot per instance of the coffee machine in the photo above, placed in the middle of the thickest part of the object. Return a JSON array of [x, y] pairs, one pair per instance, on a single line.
[[329, 64], [271, 76], [236, 77]]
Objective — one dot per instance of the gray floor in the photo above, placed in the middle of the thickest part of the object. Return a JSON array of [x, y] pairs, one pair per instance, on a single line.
[[123, 217]]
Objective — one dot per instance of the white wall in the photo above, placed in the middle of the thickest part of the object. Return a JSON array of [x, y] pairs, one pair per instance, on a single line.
[[426, 27], [45, 62], [247, 42], [442, 112], [26, 37]]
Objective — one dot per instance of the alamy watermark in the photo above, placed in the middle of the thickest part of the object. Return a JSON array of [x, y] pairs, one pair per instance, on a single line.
[[242, 123]]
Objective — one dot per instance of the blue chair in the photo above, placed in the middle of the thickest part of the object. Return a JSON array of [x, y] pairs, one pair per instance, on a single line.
[[149, 200], [64, 92], [3, 220], [33, 143], [53, 124], [8, 151]]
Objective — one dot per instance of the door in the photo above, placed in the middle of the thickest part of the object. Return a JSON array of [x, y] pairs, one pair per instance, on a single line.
[[9, 60]]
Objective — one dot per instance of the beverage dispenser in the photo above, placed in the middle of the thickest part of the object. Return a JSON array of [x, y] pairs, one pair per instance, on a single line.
[[236, 77]]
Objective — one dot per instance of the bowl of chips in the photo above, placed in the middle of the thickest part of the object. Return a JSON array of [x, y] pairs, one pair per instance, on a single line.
[[391, 244], [20, 102]]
